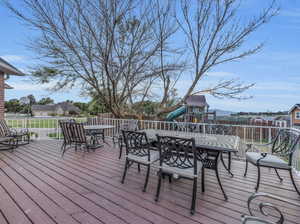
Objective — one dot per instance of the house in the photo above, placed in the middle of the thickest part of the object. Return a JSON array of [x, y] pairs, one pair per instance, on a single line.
[[63, 108], [282, 121], [6, 69], [294, 113], [262, 120]]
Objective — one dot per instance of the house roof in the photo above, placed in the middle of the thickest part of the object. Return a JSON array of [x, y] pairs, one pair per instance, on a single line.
[[196, 100], [9, 69], [65, 106], [294, 107], [282, 118], [6, 86], [49, 107]]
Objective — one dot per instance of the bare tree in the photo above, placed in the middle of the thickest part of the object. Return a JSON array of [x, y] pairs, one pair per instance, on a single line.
[[124, 52], [215, 35]]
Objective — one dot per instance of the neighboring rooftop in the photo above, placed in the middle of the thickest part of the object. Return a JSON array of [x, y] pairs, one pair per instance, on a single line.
[[297, 105], [65, 106]]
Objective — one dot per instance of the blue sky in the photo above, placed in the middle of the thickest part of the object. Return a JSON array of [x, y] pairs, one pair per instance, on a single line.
[[275, 70]]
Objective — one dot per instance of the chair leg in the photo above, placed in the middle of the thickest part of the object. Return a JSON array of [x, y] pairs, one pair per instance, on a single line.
[[258, 178], [63, 150], [293, 181], [194, 196], [246, 169], [158, 185], [62, 146], [121, 150], [114, 140], [279, 177], [170, 178], [125, 171], [147, 178], [202, 179], [139, 168], [220, 184]]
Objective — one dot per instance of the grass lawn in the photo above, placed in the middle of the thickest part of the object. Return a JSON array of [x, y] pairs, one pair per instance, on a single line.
[[56, 135]]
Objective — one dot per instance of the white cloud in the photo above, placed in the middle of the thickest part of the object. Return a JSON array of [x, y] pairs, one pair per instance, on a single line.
[[13, 58], [31, 86]]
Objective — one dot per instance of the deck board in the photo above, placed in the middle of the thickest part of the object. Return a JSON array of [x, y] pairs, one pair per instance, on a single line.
[[38, 186]]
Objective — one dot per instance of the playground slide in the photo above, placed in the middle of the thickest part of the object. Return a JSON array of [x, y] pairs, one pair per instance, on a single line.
[[176, 113]]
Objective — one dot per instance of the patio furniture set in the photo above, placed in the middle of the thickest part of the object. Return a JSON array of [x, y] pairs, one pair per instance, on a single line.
[[186, 155], [82, 136]]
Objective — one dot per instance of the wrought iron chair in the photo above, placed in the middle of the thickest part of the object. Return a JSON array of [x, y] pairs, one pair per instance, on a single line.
[[178, 158], [281, 156], [267, 210], [18, 136], [67, 134], [74, 135], [138, 150], [131, 125]]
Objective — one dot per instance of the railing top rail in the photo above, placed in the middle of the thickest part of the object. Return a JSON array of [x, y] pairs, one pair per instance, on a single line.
[[152, 121], [172, 122]]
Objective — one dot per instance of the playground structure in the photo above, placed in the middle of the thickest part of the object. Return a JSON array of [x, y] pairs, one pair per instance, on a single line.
[[194, 110]]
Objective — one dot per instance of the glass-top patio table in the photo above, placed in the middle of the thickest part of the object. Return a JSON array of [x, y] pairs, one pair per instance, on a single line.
[[96, 130], [98, 127], [210, 146]]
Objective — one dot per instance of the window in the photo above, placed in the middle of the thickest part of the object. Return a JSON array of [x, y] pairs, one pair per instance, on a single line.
[[297, 115]]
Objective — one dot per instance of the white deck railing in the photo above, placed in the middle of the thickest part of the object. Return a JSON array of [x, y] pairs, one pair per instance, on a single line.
[[48, 128]]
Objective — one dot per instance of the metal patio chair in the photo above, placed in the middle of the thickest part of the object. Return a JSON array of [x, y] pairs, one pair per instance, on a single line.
[[269, 213], [67, 134], [131, 125], [138, 150], [75, 135], [22, 135], [283, 147], [178, 157]]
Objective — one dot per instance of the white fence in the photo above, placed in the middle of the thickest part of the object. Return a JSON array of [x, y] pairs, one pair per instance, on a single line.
[[48, 128]]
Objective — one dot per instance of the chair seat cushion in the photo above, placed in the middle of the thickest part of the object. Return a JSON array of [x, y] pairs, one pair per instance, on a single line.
[[269, 160], [154, 156], [188, 172]]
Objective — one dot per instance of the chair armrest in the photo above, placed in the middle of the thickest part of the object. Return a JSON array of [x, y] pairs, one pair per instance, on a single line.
[[246, 219], [265, 208], [24, 131], [252, 145], [266, 195]]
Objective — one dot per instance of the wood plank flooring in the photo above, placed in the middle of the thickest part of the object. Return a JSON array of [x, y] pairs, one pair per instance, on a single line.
[[38, 186]]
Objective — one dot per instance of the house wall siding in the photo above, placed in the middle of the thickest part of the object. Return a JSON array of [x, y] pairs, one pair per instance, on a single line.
[[293, 118], [2, 95]]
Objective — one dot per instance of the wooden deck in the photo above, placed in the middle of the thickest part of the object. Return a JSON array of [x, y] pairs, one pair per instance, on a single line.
[[38, 186]]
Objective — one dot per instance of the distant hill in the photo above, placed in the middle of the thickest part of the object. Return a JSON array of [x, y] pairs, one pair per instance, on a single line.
[[222, 112]]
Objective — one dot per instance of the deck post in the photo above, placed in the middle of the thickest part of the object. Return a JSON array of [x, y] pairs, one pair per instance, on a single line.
[[2, 94]]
